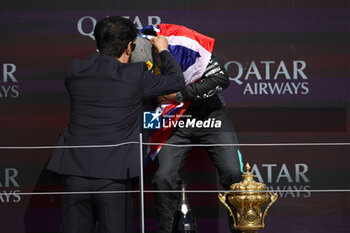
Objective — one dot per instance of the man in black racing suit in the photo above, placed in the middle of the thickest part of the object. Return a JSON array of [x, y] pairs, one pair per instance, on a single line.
[[207, 102]]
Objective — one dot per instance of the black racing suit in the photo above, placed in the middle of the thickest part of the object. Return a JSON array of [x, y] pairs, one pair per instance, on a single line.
[[206, 103]]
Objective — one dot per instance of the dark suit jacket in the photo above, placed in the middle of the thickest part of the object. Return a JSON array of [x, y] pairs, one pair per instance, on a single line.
[[106, 99]]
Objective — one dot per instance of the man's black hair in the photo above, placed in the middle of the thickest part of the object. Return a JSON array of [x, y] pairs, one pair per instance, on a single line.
[[113, 34], [149, 32]]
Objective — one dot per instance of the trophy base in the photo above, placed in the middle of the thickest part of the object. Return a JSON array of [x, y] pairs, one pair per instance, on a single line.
[[250, 229]]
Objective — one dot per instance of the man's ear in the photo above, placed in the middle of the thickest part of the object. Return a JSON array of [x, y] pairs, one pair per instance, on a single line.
[[128, 49]]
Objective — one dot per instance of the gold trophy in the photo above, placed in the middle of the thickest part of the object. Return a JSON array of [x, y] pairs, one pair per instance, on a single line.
[[248, 198]]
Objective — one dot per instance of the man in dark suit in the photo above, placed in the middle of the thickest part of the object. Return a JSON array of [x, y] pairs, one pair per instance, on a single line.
[[106, 95]]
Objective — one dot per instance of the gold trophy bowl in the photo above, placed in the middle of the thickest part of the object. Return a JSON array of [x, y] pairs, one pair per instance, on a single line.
[[247, 199]]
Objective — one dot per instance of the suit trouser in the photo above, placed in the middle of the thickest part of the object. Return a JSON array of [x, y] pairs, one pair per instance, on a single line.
[[170, 160], [81, 212]]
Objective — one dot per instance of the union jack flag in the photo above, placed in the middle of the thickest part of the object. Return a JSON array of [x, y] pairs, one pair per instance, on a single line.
[[192, 51]]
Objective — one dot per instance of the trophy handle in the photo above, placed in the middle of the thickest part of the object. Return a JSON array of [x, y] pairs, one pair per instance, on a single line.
[[222, 198], [273, 198]]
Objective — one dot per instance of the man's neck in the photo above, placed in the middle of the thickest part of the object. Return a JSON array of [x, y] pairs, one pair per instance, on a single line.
[[124, 58]]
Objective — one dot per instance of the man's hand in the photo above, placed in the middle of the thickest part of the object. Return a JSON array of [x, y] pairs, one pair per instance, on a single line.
[[163, 99], [160, 43]]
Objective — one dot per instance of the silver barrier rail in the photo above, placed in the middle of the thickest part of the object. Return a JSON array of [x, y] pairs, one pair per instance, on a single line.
[[176, 145]]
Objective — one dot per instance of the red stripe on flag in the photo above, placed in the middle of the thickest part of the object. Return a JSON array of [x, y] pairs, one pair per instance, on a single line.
[[162, 135], [177, 30]]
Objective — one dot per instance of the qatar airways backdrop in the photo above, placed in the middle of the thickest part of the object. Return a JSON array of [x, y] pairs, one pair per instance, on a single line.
[[289, 66]]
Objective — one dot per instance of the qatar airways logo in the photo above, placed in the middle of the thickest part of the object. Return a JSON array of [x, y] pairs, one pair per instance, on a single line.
[[270, 77], [9, 187], [287, 180], [86, 24], [8, 81]]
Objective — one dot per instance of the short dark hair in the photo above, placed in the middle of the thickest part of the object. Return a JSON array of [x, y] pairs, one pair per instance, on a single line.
[[148, 31], [113, 34]]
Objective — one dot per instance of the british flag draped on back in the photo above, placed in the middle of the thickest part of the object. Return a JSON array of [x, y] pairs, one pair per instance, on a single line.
[[192, 51]]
